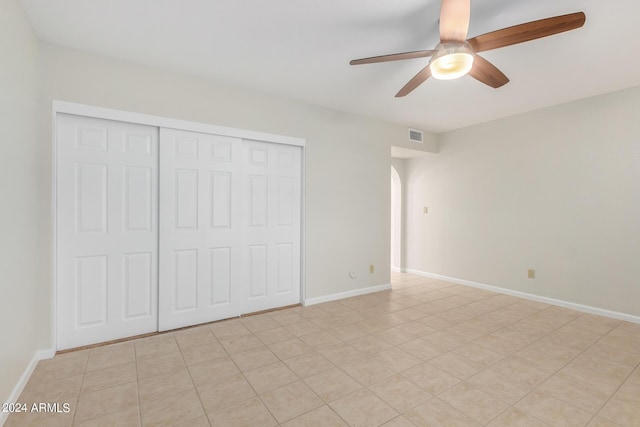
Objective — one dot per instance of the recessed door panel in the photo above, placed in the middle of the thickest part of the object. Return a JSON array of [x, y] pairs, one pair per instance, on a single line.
[[257, 271], [220, 276], [138, 285], [284, 265], [258, 198], [138, 198], [91, 198], [185, 282], [91, 290], [220, 199]]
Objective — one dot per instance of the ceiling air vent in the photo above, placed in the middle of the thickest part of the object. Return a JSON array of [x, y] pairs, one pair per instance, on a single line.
[[415, 135]]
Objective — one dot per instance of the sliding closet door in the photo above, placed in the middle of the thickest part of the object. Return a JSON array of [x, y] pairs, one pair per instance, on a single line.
[[106, 230], [271, 225], [199, 228]]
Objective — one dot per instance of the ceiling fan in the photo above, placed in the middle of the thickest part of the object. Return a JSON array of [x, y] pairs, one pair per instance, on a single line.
[[456, 55]]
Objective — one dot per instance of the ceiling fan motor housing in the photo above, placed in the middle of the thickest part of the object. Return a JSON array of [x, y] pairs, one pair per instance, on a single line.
[[451, 60]]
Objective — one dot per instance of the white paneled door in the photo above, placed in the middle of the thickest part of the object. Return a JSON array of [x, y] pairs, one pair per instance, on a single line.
[[199, 228], [229, 227], [270, 273], [106, 254]]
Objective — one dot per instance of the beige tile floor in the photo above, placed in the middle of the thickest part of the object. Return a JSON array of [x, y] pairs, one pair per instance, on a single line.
[[428, 353]]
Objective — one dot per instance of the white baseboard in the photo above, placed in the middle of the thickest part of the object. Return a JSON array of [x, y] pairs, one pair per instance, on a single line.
[[24, 379], [397, 269], [533, 297], [347, 294]]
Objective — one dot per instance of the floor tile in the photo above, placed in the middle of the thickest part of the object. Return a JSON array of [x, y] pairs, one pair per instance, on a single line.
[[111, 355], [290, 401], [152, 388], [254, 358], [552, 410], [239, 344], [430, 378], [103, 402], [193, 337], [308, 364], [272, 336], [201, 353], [248, 413], [520, 370], [478, 354], [397, 360], [229, 329], [400, 393], [259, 323], [341, 354], [399, 421], [473, 402], [212, 371], [172, 408], [367, 371], [230, 391], [320, 417], [109, 377], [270, 377], [499, 386], [158, 364], [514, 417], [129, 417], [156, 346], [436, 413], [602, 422], [62, 366], [363, 408], [54, 390], [456, 365], [574, 393], [320, 339], [290, 348], [332, 384]]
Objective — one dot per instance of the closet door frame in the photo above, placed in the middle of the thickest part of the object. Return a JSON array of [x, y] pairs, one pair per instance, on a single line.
[[64, 107]]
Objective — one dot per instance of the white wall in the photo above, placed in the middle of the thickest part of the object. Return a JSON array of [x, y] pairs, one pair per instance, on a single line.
[[557, 190], [19, 195], [347, 157]]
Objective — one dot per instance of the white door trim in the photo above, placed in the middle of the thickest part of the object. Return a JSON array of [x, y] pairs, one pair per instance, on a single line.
[[159, 121], [166, 122]]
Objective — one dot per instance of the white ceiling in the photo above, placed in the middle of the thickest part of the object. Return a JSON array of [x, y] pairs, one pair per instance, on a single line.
[[300, 50]]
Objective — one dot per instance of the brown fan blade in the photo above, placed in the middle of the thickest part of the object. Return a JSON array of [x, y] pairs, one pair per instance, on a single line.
[[529, 31], [394, 57], [416, 81], [454, 20], [487, 73]]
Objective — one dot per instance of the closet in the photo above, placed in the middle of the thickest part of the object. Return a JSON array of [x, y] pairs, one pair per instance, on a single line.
[[159, 228]]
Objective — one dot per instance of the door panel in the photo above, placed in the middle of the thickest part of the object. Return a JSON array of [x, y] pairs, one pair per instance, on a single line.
[[106, 230], [271, 235], [199, 236]]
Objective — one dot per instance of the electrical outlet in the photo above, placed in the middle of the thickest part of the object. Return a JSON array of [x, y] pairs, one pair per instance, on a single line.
[[372, 268], [531, 273], [425, 209]]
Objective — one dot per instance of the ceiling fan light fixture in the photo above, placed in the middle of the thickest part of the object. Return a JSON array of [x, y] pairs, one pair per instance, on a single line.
[[451, 61]]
